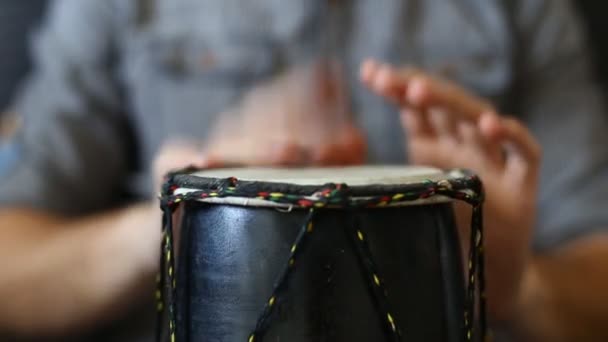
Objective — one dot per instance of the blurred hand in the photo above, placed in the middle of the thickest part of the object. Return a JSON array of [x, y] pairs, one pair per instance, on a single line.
[[447, 127], [175, 155], [299, 118]]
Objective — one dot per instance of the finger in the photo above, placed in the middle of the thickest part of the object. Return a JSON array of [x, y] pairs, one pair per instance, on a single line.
[[487, 126], [263, 154], [328, 155], [384, 80], [444, 125], [523, 152], [416, 123], [421, 90], [211, 162], [174, 156], [350, 149], [470, 136], [177, 155], [368, 70], [354, 144], [512, 131], [285, 154], [490, 126], [425, 152], [387, 83], [487, 152], [425, 92]]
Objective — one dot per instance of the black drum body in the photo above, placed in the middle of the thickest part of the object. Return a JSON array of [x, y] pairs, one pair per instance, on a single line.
[[231, 257]]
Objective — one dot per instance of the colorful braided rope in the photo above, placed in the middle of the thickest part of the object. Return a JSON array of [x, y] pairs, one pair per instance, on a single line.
[[281, 285], [468, 189]]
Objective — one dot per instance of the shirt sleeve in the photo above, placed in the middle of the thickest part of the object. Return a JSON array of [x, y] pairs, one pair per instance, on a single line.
[[71, 147], [563, 106]]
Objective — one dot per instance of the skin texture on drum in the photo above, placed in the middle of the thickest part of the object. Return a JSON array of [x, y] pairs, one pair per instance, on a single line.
[[231, 256]]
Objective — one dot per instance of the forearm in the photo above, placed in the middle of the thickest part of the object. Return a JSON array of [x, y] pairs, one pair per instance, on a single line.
[[564, 295], [61, 275]]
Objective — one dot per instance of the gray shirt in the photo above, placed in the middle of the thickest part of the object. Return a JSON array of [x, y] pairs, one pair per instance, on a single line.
[[114, 79], [17, 19]]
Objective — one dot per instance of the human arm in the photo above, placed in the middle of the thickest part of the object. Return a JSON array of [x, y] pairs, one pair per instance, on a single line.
[[563, 296], [69, 275], [75, 163], [563, 106], [525, 289], [300, 117], [62, 276], [70, 160], [557, 291], [449, 127]]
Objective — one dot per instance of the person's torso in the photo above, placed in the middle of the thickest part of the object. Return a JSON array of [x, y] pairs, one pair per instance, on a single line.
[[185, 61]]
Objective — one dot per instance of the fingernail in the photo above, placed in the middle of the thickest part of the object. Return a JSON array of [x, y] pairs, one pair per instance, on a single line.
[[367, 68], [418, 92], [490, 126]]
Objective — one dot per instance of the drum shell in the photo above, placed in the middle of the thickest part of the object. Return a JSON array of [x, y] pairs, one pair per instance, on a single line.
[[230, 257]]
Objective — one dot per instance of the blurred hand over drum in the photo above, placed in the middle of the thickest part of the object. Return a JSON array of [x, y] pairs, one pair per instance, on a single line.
[[300, 118], [448, 127]]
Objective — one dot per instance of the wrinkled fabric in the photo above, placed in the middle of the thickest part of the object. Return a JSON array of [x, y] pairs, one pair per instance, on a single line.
[[115, 79]]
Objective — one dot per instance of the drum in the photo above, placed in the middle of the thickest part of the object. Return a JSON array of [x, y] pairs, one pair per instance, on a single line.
[[343, 254]]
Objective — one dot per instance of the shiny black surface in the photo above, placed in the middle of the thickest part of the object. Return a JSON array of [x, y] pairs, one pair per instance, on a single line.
[[230, 257]]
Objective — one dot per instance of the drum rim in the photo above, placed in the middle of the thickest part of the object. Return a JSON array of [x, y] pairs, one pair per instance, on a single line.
[[185, 183]]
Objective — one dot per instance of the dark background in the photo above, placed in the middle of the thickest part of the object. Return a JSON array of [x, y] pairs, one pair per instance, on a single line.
[[17, 19], [595, 14]]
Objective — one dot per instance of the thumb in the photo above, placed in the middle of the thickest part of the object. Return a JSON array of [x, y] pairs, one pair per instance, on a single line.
[[174, 156]]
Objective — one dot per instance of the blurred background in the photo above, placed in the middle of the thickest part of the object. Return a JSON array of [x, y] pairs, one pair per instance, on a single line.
[[19, 19], [594, 13]]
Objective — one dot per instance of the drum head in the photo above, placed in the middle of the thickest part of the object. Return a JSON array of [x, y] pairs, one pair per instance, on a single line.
[[353, 176]]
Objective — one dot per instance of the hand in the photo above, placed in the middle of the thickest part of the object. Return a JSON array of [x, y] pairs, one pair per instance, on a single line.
[[299, 118], [447, 127], [175, 155]]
